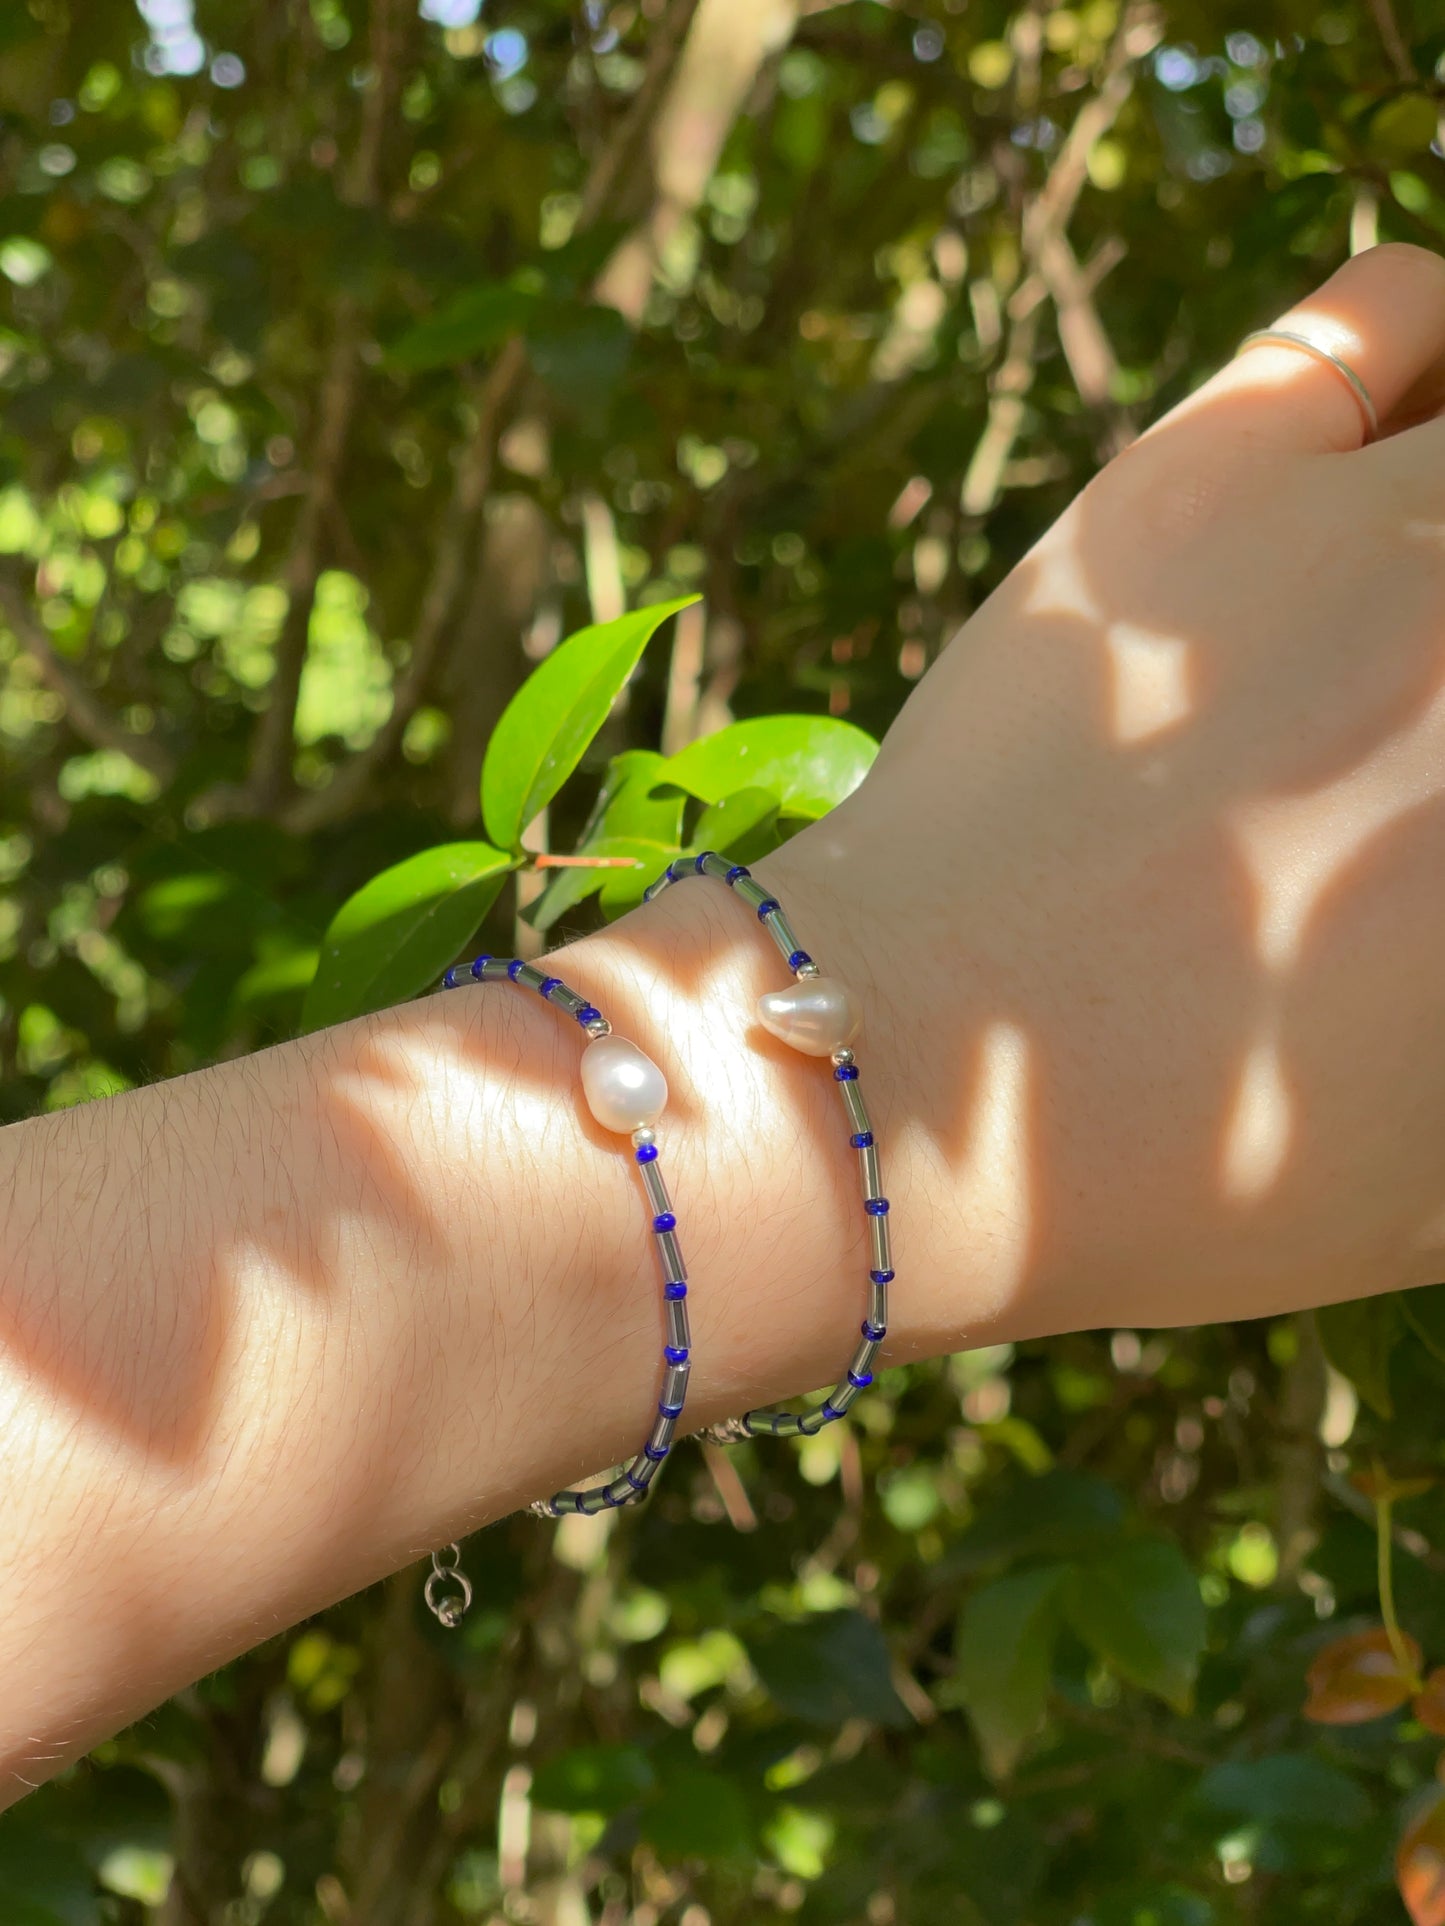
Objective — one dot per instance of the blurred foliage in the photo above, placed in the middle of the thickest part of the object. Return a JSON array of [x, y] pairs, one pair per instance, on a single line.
[[333, 397]]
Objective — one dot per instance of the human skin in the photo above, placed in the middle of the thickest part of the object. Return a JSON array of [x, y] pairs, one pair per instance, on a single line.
[[1141, 904]]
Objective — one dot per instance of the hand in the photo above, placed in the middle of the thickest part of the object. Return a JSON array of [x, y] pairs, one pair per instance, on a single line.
[[1145, 890]]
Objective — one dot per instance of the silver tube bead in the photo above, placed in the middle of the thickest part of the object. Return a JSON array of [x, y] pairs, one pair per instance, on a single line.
[[882, 1244], [668, 1249], [842, 1396], [872, 1174], [494, 970], [781, 931], [530, 977], [878, 1306], [674, 1384], [679, 1334], [661, 1432], [751, 891], [621, 1493], [654, 1186], [853, 1101], [812, 1422], [567, 1000], [715, 865], [589, 1503], [642, 1469], [862, 1360]]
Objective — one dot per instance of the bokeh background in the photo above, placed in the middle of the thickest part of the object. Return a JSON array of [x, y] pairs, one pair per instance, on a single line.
[[351, 354]]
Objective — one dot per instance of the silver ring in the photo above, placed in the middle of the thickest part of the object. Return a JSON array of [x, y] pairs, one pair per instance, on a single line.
[[1287, 337]]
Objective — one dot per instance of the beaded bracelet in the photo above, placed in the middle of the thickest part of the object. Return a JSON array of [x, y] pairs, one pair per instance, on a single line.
[[818, 1017], [626, 1093]]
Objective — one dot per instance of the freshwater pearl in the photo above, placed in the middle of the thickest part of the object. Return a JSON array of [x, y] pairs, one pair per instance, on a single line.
[[816, 1015], [624, 1088]]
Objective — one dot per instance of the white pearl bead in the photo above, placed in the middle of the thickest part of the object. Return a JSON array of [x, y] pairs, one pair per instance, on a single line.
[[817, 1015], [624, 1088]]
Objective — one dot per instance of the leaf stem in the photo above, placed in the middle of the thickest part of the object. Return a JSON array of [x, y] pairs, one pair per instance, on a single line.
[[1384, 1561], [546, 860]]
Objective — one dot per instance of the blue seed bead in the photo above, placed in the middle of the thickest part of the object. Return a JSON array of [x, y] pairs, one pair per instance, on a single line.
[[647, 1153], [881, 1277], [548, 984], [479, 963], [829, 1412], [798, 959], [637, 1484], [698, 865], [589, 1013], [766, 908], [873, 1332], [876, 1206], [737, 873], [673, 1289], [846, 1073], [656, 1452], [675, 1353], [669, 1410], [861, 1139], [610, 1501], [516, 967], [860, 1380], [665, 1220], [449, 981]]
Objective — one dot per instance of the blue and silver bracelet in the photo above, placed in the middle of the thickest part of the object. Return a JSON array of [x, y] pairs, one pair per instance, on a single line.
[[626, 1093], [819, 1017]]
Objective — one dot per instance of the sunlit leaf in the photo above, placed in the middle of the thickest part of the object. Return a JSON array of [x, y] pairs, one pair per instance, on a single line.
[[808, 763], [1138, 1606], [396, 935], [1359, 1677], [546, 727], [1002, 1653], [742, 825], [1420, 1861]]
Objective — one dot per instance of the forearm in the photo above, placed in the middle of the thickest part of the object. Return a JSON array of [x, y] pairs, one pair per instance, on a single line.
[[275, 1328]]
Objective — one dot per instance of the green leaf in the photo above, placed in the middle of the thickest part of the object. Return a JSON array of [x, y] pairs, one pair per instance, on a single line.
[[1358, 1338], [808, 763], [742, 825], [826, 1669], [1060, 1514], [546, 727], [626, 820], [698, 1815], [1138, 1606], [398, 934], [1291, 1788], [594, 1778], [44, 1881], [1424, 1312], [1003, 1651], [476, 321]]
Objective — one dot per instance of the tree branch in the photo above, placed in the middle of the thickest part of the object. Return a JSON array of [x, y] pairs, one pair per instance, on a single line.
[[87, 715]]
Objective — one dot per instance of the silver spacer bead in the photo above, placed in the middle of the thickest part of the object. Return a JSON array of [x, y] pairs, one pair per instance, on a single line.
[[541, 1508], [727, 1431], [807, 969], [644, 1134], [841, 1057], [598, 1027]]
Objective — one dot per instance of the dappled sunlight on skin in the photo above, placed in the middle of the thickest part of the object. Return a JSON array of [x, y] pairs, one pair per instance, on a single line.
[[995, 1178], [1150, 691], [1257, 1129], [1295, 846]]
